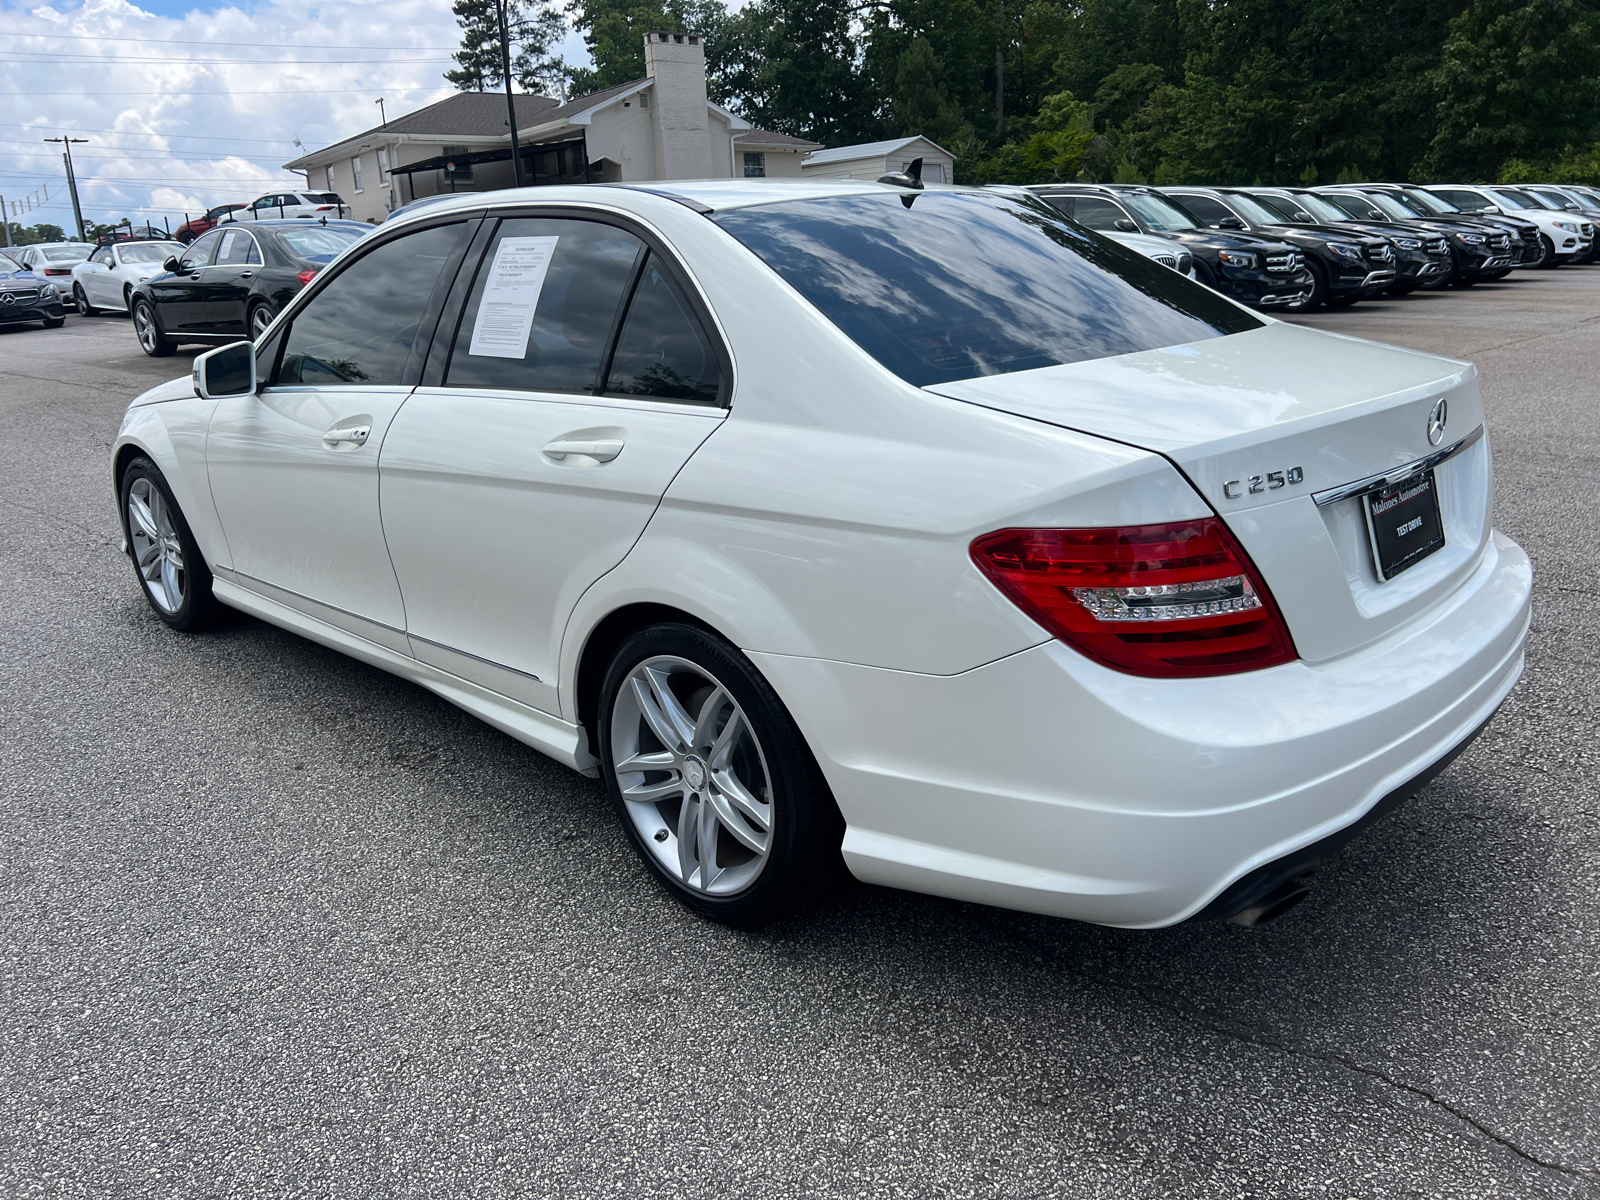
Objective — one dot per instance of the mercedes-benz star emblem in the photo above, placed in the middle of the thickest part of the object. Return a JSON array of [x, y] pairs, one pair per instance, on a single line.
[[694, 773], [1436, 420], [7, 298]]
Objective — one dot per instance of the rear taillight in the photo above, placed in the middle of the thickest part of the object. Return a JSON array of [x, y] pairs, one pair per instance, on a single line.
[[1168, 601], [307, 275], [58, 270], [324, 208]]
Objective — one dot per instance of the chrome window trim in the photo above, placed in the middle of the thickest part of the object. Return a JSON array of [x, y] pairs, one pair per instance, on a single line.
[[1386, 479]]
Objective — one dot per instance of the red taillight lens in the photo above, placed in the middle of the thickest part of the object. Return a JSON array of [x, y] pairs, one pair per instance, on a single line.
[[324, 208], [1169, 601], [307, 275], [58, 270]]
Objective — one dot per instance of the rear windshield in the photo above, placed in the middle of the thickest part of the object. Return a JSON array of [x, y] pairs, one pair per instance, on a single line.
[[323, 197], [963, 284], [318, 243], [67, 253]]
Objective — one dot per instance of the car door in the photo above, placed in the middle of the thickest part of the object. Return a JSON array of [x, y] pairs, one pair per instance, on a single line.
[[294, 470], [227, 281], [96, 279], [180, 297], [516, 480]]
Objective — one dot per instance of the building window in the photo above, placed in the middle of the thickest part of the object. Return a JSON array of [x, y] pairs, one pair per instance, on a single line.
[[755, 166], [644, 99], [332, 186], [383, 164], [463, 171], [355, 172]]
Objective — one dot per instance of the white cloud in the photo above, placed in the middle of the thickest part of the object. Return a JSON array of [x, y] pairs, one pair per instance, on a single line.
[[179, 122]]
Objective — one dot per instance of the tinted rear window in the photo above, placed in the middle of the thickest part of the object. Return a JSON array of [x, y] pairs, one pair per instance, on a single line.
[[963, 284]]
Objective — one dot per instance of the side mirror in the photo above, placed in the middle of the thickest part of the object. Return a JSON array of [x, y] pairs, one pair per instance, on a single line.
[[170, 266], [1494, 209], [1125, 225], [226, 371], [1230, 223]]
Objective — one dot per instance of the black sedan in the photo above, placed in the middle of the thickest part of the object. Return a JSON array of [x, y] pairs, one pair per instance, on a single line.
[[231, 282], [25, 296]]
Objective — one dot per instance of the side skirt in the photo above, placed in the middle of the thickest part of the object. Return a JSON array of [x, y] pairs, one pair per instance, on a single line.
[[549, 735]]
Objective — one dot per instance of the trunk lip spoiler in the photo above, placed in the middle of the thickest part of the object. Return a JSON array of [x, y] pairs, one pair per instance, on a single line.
[[1386, 479]]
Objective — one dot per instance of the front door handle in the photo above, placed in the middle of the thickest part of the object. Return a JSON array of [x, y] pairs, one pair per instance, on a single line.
[[351, 435], [599, 449]]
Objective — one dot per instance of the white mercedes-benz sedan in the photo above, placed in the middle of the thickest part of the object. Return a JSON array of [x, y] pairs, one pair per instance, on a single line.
[[921, 529]]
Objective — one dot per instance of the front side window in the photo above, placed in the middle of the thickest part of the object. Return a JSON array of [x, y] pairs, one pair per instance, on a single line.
[[1252, 210], [1427, 202], [361, 327], [102, 256], [1098, 213], [1355, 209], [200, 251], [965, 284], [1466, 201], [755, 166], [1208, 210], [1513, 199], [1393, 206], [542, 307], [662, 352]]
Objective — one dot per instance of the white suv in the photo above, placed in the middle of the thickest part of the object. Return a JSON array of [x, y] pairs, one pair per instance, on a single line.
[[276, 205], [1567, 236]]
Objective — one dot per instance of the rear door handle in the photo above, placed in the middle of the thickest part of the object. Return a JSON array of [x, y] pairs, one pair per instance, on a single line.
[[598, 449]]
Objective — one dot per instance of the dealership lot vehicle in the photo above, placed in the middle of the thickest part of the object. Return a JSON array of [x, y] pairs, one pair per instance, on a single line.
[[1422, 257], [26, 296], [1480, 252], [1566, 238], [106, 279], [1094, 542], [206, 221], [1159, 249], [231, 282], [1262, 272], [1345, 266], [53, 260], [1527, 250], [278, 206]]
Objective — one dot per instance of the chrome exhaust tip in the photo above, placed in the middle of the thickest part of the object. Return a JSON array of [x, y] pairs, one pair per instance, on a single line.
[[1273, 905]]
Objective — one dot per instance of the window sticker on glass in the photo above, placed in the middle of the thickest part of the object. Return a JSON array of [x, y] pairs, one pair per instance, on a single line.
[[516, 277]]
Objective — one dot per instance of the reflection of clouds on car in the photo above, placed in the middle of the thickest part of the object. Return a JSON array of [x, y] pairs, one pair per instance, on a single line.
[[305, 369]]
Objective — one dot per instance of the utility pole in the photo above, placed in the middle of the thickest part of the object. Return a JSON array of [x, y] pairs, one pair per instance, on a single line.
[[511, 105], [5, 220], [67, 144], [383, 117]]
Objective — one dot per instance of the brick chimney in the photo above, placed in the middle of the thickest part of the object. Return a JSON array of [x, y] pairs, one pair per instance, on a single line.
[[677, 63]]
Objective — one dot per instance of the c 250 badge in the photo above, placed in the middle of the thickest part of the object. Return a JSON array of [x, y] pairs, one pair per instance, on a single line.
[[1270, 482]]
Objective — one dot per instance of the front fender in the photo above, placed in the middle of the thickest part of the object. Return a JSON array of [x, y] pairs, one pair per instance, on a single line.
[[173, 436]]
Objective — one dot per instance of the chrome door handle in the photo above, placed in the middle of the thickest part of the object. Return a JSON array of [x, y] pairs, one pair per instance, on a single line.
[[352, 434], [246, 274], [599, 449]]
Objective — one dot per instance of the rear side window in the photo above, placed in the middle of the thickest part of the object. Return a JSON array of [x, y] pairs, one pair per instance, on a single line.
[[662, 351], [1097, 213], [963, 284], [361, 327], [235, 248], [542, 308]]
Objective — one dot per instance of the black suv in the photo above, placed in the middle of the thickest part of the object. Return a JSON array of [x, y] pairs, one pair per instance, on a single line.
[[1479, 251], [1527, 249], [1345, 264], [1262, 272], [1422, 258]]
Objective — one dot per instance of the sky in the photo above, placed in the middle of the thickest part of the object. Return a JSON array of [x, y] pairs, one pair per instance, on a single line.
[[185, 107]]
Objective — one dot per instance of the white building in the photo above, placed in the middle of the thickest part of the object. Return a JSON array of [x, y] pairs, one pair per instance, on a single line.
[[658, 127], [869, 160]]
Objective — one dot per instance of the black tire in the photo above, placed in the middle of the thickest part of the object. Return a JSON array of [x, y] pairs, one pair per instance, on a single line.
[[802, 859], [1342, 301], [1319, 288], [1547, 257], [148, 330], [1401, 289], [54, 322], [198, 607], [81, 299]]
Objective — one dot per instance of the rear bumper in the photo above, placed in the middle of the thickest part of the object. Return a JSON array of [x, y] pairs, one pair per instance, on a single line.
[[1047, 783]]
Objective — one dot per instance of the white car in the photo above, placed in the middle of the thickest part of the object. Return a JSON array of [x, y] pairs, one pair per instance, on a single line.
[[833, 519], [106, 279], [1567, 236], [1167, 253], [276, 206], [53, 260]]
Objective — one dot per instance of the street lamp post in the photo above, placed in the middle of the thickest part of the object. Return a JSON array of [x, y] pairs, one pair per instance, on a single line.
[[67, 144]]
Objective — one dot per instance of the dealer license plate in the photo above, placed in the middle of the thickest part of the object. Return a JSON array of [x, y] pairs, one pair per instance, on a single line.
[[1404, 524]]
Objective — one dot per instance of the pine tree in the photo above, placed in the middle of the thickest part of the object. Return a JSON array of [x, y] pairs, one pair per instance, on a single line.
[[533, 27]]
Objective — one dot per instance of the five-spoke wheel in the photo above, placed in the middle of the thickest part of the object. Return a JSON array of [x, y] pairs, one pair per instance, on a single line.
[[151, 340], [170, 566]]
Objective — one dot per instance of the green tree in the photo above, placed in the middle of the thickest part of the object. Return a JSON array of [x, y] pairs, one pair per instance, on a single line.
[[804, 73], [533, 27], [35, 235], [614, 30], [1516, 80], [921, 104]]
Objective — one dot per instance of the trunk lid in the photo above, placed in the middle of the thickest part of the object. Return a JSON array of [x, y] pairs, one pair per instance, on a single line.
[[1317, 411]]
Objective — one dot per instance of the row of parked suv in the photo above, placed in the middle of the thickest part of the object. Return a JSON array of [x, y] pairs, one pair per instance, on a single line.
[[1300, 248]]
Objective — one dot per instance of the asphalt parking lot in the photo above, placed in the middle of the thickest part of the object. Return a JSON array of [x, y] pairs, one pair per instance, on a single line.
[[274, 923]]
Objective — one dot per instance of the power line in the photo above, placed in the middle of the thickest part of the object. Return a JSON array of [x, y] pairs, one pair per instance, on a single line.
[[81, 59], [421, 87], [199, 137], [88, 37]]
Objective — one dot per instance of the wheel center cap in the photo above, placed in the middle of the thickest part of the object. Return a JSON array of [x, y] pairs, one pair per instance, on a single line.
[[694, 773]]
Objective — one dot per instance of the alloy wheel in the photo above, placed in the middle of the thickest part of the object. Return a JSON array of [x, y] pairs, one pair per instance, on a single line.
[[259, 320], [144, 324], [157, 551], [693, 775], [80, 299]]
